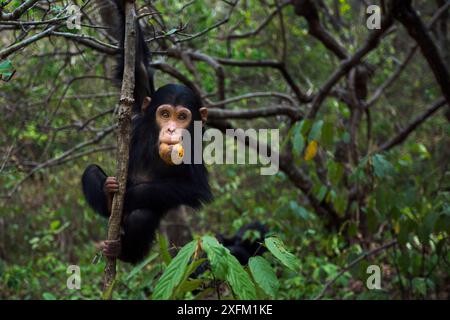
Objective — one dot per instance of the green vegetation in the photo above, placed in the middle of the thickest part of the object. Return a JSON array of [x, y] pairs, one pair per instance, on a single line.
[[353, 189]]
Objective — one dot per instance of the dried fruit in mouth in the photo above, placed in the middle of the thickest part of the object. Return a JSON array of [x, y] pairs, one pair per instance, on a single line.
[[172, 154]]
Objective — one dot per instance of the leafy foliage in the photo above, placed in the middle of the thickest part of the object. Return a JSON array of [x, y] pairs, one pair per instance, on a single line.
[[55, 95]]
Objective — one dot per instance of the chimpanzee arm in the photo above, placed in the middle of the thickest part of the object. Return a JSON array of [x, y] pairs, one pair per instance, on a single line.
[[164, 195], [112, 13], [93, 181]]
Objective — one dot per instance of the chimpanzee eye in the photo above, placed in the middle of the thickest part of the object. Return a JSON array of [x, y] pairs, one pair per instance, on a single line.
[[165, 114], [182, 116]]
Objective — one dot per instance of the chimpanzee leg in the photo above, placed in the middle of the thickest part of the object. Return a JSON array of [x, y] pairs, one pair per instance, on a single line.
[[137, 234], [93, 181]]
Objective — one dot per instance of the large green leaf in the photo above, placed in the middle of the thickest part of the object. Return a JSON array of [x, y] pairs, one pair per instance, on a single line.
[[277, 248], [174, 272], [225, 266], [264, 275], [216, 256]]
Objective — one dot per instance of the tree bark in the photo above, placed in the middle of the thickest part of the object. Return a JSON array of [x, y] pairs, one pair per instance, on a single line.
[[123, 141]]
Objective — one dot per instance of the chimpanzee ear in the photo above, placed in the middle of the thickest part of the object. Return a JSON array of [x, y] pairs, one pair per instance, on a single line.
[[203, 114], [145, 104]]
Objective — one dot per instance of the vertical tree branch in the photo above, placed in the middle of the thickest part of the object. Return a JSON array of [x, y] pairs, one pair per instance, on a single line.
[[123, 141], [405, 13]]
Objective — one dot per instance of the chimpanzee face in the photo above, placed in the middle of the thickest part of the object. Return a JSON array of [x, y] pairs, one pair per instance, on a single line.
[[171, 110], [171, 121]]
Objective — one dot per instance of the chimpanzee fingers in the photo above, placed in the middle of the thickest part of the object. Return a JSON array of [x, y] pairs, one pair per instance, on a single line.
[[111, 185], [111, 248], [111, 179]]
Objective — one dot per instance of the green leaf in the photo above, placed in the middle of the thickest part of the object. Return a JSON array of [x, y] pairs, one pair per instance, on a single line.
[[419, 285], [316, 131], [190, 285], [277, 248], [5, 66], [54, 225], [298, 142], [264, 275], [335, 171], [141, 265], [216, 256], [322, 193], [327, 134], [298, 210], [381, 166], [305, 126], [6, 70], [48, 296], [226, 265], [174, 273], [164, 249], [171, 31]]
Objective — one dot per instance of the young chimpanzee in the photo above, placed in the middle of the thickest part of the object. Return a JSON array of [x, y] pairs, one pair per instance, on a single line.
[[153, 185]]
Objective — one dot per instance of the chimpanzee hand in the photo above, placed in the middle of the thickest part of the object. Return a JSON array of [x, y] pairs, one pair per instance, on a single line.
[[111, 186], [111, 248]]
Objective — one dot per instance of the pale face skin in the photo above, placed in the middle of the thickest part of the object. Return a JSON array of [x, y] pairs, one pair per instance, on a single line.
[[171, 121]]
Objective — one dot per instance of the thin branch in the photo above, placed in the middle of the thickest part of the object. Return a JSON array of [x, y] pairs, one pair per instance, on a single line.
[[403, 134], [260, 27], [214, 26], [18, 11], [347, 64], [353, 263], [294, 114], [22, 44], [379, 91], [253, 95], [63, 156], [308, 10], [89, 41]]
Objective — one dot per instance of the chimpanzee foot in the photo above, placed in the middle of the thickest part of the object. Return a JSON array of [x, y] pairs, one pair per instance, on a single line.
[[111, 248]]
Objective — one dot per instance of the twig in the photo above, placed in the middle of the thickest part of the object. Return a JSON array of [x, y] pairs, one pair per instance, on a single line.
[[253, 95], [402, 135], [22, 44], [347, 64], [294, 114], [214, 26], [353, 263], [19, 11], [260, 27], [123, 141]]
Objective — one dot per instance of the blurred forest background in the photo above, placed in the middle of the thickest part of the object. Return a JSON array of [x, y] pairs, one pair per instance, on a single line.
[[364, 127]]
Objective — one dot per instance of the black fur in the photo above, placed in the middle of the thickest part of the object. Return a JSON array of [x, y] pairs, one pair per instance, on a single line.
[[113, 16], [240, 246], [243, 248], [153, 187]]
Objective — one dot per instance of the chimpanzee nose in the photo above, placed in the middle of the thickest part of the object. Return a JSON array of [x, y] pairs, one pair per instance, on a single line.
[[171, 130]]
